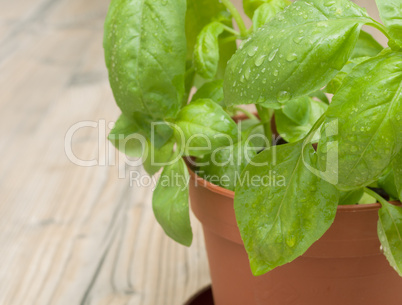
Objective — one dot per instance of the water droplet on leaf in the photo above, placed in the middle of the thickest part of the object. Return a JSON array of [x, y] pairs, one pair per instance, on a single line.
[[298, 39], [291, 57], [329, 3], [251, 51], [259, 60], [247, 73], [272, 55], [283, 96]]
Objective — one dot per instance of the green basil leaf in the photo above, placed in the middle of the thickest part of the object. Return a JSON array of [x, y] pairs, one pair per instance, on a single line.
[[390, 13], [170, 203], [226, 49], [126, 137], [298, 110], [350, 197], [367, 109], [156, 158], [334, 85], [387, 183], [267, 11], [199, 14], [212, 90], [129, 132], [397, 169], [156, 131], [390, 234], [366, 46], [281, 216], [296, 118], [206, 53], [224, 166], [320, 38], [367, 199], [145, 52], [256, 135], [250, 6], [203, 126]]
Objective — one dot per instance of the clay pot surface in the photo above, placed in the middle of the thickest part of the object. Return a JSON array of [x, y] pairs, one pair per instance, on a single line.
[[344, 267]]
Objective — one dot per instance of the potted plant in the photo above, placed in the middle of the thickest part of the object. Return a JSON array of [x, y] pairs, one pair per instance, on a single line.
[[267, 206]]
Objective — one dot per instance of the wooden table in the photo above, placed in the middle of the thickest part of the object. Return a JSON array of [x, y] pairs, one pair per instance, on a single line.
[[72, 234]]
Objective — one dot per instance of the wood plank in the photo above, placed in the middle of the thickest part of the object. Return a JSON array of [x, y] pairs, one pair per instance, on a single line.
[[71, 234]]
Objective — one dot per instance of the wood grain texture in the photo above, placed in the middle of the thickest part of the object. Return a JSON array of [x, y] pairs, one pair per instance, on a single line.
[[71, 234]]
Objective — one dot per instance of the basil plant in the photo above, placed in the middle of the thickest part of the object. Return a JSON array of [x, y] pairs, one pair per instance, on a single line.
[[328, 127]]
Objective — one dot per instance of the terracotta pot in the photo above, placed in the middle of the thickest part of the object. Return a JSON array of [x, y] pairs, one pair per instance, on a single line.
[[345, 266]]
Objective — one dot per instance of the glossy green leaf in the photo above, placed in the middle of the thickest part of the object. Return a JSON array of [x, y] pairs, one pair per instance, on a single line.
[[320, 38], [334, 85], [140, 124], [145, 52], [390, 234], [158, 132], [226, 50], [397, 169], [366, 46], [267, 11], [387, 183], [126, 137], [203, 126], [206, 53], [390, 13], [367, 109], [212, 90], [253, 131], [284, 213], [156, 158], [350, 197], [199, 14], [224, 166], [170, 203], [298, 110], [296, 118], [250, 6]]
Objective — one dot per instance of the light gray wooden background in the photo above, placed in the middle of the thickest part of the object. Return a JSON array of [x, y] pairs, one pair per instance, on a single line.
[[71, 234]]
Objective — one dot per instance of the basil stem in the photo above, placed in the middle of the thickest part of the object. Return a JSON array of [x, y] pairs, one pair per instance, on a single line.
[[236, 15]]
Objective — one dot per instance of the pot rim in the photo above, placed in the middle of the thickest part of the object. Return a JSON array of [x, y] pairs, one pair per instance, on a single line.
[[231, 194]]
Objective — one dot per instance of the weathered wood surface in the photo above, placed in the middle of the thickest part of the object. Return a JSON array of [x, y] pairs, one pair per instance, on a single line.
[[71, 234]]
